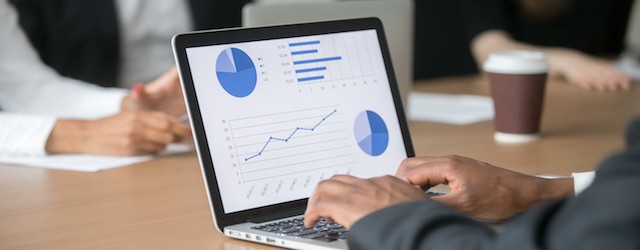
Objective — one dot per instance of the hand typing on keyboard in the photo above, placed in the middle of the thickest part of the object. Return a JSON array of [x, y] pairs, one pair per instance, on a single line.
[[346, 199]]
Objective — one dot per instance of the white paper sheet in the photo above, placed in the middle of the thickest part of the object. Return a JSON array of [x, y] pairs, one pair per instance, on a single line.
[[86, 163], [450, 109]]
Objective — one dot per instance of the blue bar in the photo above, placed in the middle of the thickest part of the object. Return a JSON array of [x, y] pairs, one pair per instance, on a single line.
[[310, 70], [293, 53], [317, 60], [303, 43], [310, 78]]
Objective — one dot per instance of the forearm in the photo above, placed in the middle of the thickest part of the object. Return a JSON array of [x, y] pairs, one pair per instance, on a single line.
[[545, 190], [58, 96], [66, 137], [497, 40], [513, 193], [493, 41], [126, 133]]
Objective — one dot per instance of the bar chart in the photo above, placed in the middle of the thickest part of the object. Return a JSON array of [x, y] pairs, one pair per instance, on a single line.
[[330, 59]]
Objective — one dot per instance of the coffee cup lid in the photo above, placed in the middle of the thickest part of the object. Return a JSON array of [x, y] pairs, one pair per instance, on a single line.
[[516, 62]]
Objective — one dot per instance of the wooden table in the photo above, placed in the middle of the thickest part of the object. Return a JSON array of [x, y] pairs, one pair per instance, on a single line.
[[161, 204], [579, 129]]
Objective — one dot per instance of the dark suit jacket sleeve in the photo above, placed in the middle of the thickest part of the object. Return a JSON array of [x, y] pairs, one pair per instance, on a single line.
[[79, 39], [208, 14], [432, 225], [605, 216]]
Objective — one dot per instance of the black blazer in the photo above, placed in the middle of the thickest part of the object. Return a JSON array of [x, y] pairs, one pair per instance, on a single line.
[[604, 216], [80, 38]]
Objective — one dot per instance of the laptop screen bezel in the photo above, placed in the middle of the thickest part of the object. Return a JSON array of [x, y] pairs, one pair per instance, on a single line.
[[230, 36]]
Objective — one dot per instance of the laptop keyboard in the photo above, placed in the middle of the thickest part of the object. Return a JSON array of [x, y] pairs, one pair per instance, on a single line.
[[322, 231]]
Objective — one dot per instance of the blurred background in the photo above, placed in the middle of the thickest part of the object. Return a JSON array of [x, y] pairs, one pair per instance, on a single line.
[[441, 44], [448, 50]]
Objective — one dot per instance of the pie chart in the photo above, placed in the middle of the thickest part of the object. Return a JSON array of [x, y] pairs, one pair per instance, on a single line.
[[371, 133], [236, 72]]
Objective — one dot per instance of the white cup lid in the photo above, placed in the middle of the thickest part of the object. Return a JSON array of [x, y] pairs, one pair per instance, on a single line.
[[514, 138], [516, 62]]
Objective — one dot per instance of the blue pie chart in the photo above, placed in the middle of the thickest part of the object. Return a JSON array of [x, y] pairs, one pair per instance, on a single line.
[[371, 133], [236, 72]]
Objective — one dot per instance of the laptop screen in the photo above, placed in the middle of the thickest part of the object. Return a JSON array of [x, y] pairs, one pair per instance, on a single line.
[[282, 115]]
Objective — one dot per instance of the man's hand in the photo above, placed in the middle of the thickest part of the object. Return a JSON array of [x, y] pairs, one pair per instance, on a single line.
[[126, 133], [346, 199], [480, 189], [163, 94]]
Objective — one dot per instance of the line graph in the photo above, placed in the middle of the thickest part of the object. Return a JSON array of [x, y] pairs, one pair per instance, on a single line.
[[271, 138], [291, 143]]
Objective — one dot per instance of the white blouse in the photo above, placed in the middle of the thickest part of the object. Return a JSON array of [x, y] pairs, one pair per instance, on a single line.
[[32, 95]]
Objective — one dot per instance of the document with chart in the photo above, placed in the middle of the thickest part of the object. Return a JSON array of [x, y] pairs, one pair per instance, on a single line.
[[282, 115]]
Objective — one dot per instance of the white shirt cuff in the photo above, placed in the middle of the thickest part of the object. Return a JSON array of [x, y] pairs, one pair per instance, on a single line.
[[582, 181], [24, 134]]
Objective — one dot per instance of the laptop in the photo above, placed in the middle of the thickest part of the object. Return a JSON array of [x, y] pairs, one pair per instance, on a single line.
[[396, 16], [276, 110]]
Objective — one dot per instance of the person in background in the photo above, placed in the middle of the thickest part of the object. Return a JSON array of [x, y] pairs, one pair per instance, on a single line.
[[571, 33], [117, 43], [394, 212], [43, 112], [109, 43]]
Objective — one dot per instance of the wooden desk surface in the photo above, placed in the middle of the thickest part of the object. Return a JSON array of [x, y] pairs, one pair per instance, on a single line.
[[162, 204], [579, 129]]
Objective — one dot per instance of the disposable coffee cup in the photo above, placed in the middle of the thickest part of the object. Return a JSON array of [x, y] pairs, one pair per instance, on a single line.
[[518, 80]]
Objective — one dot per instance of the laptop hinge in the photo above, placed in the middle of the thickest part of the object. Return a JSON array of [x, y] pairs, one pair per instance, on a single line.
[[276, 216]]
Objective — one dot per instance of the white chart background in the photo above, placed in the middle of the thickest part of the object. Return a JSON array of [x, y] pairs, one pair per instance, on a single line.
[[251, 174]]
